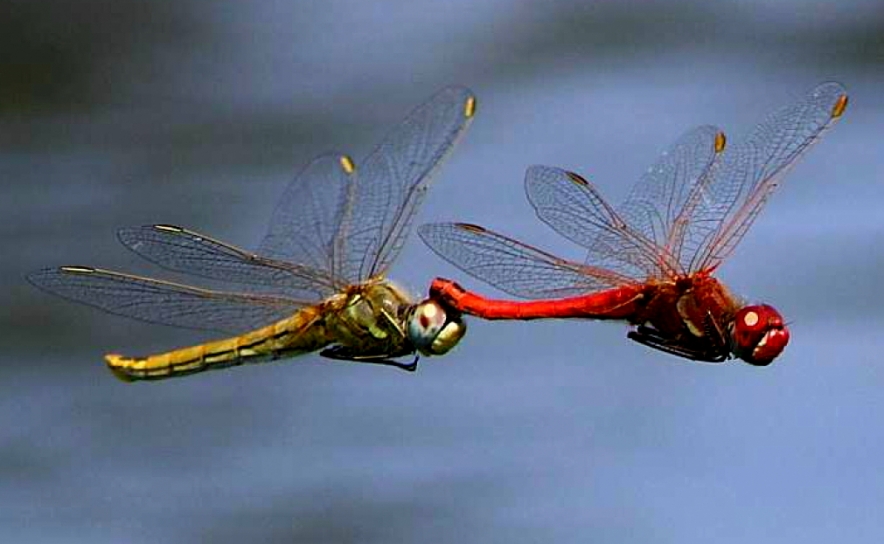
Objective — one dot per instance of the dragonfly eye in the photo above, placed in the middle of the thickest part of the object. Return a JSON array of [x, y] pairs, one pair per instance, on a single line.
[[432, 330], [759, 334]]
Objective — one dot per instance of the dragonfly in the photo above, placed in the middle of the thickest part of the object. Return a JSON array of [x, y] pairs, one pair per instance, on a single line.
[[318, 280], [650, 261]]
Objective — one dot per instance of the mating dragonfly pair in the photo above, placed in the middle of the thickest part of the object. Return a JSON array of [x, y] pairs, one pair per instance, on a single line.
[[318, 280]]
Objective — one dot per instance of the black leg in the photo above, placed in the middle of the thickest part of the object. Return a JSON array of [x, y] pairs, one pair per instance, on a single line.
[[341, 353], [677, 346]]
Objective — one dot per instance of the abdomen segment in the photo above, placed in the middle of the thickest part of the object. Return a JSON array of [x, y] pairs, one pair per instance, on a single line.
[[620, 303], [301, 333]]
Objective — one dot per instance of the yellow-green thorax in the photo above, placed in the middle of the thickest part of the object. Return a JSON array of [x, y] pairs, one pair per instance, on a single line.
[[370, 319]]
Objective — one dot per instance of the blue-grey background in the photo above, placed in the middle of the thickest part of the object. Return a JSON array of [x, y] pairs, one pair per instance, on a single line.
[[116, 113]]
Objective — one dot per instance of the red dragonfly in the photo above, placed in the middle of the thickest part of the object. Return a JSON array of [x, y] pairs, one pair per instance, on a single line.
[[650, 261]]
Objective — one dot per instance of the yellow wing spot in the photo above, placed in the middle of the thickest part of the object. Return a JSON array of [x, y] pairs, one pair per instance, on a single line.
[[750, 319], [169, 228], [78, 269], [720, 142], [469, 227], [839, 107], [578, 179], [347, 164], [469, 107]]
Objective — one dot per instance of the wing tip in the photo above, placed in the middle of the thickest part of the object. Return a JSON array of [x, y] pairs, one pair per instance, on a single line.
[[840, 106], [165, 227], [75, 269], [577, 178], [469, 105], [720, 141], [834, 91], [347, 164], [471, 227]]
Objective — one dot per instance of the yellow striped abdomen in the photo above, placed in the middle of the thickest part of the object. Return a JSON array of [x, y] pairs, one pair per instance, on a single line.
[[303, 332]]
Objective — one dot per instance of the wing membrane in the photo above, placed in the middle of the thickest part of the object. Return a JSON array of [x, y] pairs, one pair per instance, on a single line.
[[731, 198], [636, 239], [162, 302], [575, 209], [190, 252], [512, 266], [391, 182], [306, 226]]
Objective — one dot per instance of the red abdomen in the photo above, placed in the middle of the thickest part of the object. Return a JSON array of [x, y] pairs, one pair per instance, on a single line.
[[619, 303]]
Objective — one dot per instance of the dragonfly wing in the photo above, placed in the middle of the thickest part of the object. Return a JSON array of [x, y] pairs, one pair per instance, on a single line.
[[190, 252], [305, 226], [512, 266], [162, 302], [573, 207], [392, 181], [635, 238], [658, 203], [733, 195]]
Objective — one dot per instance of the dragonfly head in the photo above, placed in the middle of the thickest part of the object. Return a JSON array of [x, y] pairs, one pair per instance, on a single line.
[[433, 329], [759, 334]]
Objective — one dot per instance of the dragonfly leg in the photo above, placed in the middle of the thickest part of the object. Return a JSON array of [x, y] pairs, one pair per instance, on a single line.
[[652, 338], [393, 322], [714, 330], [342, 353]]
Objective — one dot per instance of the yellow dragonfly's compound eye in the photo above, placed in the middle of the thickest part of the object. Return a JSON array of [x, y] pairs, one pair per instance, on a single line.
[[448, 337], [424, 324]]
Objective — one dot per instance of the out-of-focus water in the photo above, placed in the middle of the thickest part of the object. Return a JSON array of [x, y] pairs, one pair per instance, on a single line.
[[199, 115]]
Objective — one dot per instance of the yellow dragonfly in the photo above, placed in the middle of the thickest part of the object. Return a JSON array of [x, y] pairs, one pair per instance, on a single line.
[[317, 281]]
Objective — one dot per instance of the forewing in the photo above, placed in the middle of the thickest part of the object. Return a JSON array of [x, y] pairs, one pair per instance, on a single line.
[[306, 226], [661, 200], [739, 186], [392, 181], [162, 302], [512, 266], [636, 238], [189, 252], [573, 207]]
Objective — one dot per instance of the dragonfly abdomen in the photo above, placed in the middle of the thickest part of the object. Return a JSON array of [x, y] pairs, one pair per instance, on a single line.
[[619, 303], [303, 332]]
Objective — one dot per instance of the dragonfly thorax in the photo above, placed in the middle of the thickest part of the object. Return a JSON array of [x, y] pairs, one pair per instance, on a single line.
[[378, 317], [369, 317], [689, 316]]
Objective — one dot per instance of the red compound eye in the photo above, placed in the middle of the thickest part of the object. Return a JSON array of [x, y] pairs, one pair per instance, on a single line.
[[759, 334]]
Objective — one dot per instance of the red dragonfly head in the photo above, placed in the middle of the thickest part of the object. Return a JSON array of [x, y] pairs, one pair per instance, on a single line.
[[759, 334]]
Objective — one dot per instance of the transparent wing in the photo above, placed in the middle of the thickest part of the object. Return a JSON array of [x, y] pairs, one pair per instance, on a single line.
[[572, 206], [391, 182], [732, 196], [162, 302], [305, 227], [190, 252], [659, 203], [637, 239], [512, 266]]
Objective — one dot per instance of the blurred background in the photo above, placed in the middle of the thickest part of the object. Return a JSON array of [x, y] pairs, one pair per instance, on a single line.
[[122, 113]]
